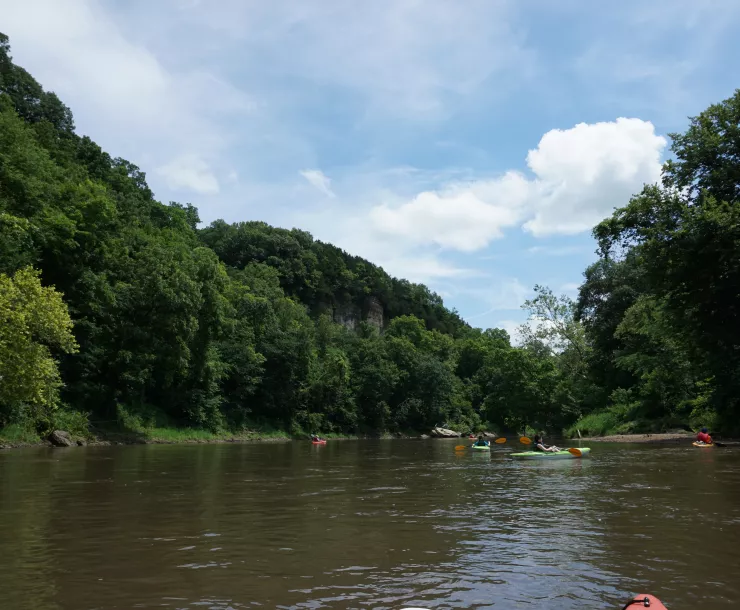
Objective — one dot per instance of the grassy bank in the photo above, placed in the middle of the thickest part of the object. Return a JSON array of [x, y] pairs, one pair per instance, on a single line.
[[17, 435], [150, 425], [667, 437], [620, 422]]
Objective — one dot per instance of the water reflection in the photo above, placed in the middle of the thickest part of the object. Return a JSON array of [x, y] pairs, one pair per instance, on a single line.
[[370, 524]]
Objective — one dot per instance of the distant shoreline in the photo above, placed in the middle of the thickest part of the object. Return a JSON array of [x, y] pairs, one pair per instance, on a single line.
[[256, 437], [668, 437], [120, 439]]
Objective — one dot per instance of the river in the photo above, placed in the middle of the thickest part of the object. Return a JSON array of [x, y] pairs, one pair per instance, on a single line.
[[366, 524]]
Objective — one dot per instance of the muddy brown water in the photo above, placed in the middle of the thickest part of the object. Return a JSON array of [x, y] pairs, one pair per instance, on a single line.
[[366, 524]]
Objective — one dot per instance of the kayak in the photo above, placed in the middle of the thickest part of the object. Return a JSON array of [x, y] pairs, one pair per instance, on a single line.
[[698, 444], [558, 455], [318, 442], [643, 600], [481, 448]]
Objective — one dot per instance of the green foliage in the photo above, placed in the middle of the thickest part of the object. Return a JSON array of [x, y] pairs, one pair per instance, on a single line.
[[661, 304], [33, 321], [235, 325], [19, 434]]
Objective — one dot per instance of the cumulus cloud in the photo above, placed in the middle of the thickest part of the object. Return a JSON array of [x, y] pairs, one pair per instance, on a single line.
[[190, 172], [583, 173], [461, 217], [122, 93], [579, 176], [318, 179]]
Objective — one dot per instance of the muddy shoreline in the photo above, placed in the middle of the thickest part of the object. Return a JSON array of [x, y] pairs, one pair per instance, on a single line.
[[670, 437]]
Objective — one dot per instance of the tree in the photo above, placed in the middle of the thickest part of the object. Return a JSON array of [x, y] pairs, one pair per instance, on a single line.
[[707, 160], [34, 322]]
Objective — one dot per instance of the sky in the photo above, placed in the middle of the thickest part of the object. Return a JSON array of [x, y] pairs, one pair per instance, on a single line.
[[470, 144]]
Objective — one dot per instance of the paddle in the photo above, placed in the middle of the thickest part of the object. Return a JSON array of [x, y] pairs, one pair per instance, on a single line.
[[573, 451], [498, 441]]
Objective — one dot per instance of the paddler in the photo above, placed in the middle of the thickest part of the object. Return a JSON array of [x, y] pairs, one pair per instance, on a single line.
[[481, 442], [539, 445], [703, 437]]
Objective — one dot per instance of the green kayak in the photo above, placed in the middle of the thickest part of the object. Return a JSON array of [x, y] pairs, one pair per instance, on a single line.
[[541, 455], [481, 448]]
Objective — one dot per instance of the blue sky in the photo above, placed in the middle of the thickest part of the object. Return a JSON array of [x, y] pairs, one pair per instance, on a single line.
[[466, 144]]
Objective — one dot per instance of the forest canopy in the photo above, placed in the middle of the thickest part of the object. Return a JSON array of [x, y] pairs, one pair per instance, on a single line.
[[120, 310]]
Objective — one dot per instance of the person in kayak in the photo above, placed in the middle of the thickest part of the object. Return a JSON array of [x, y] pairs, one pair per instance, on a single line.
[[703, 437], [539, 445], [481, 442], [316, 439]]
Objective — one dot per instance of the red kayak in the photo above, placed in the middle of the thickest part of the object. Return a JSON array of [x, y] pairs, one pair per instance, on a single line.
[[318, 442], [643, 600]]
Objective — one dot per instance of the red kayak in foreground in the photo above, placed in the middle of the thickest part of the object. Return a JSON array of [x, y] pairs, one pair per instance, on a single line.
[[642, 600], [318, 442]]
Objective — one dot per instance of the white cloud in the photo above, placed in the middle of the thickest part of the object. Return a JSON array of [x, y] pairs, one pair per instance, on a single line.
[[406, 57], [318, 179], [122, 94], [190, 172], [506, 294], [397, 257], [458, 217], [580, 175], [585, 172]]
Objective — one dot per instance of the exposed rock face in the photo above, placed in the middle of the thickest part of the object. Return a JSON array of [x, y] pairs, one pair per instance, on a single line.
[[350, 316], [444, 433], [60, 438], [489, 435], [374, 314]]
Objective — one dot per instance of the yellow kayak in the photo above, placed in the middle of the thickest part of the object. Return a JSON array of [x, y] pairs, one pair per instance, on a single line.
[[698, 444]]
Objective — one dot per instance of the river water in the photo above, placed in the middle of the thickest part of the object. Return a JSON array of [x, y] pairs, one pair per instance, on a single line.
[[366, 524]]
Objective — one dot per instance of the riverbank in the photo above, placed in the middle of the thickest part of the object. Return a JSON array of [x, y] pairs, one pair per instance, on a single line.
[[15, 438], [668, 437]]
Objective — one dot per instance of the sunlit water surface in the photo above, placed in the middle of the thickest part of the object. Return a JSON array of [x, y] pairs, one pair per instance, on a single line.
[[367, 524]]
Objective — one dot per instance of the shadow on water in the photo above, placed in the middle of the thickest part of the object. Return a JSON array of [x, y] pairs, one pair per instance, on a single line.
[[366, 524]]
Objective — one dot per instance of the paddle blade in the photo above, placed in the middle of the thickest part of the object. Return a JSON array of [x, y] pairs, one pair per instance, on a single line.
[[574, 451], [500, 441], [460, 447], [525, 441]]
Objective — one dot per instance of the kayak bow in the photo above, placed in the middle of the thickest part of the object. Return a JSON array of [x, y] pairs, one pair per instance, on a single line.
[[643, 600]]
